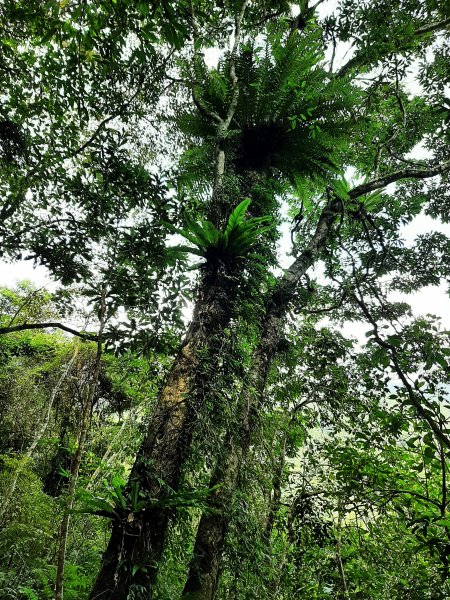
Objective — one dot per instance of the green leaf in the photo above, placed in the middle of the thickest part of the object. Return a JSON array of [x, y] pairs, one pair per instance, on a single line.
[[189, 249], [191, 237], [211, 232], [94, 505], [118, 485], [443, 522], [372, 201], [237, 215], [341, 188], [441, 361], [198, 231]]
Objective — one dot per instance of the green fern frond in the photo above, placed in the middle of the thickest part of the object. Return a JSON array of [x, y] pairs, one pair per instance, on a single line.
[[236, 241], [237, 215], [291, 118]]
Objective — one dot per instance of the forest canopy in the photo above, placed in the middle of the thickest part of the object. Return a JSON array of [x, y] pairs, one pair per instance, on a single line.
[[221, 194]]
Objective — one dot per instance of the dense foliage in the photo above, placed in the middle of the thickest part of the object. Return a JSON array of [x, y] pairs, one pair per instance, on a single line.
[[218, 192]]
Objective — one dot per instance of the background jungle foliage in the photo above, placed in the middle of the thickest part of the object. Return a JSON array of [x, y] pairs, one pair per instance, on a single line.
[[217, 191]]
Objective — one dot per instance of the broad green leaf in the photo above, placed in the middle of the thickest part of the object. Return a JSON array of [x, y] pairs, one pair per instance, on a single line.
[[237, 215]]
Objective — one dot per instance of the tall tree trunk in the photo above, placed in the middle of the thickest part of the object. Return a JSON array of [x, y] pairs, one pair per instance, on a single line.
[[136, 544], [204, 568], [131, 559], [75, 467]]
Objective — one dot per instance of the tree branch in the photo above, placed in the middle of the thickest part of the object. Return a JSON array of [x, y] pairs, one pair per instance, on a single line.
[[24, 326], [360, 57], [99, 128], [408, 173], [233, 76], [433, 27], [272, 15], [287, 283], [223, 124], [201, 106], [415, 494], [285, 288], [124, 107]]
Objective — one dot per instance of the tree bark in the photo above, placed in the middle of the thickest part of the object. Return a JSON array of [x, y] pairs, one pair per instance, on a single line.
[[52, 325], [130, 561], [204, 568], [134, 550]]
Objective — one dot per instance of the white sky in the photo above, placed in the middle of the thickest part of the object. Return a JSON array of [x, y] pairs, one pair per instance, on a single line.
[[10, 274]]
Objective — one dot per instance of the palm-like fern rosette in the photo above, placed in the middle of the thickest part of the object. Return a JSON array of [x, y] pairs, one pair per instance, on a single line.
[[291, 116], [236, 241]]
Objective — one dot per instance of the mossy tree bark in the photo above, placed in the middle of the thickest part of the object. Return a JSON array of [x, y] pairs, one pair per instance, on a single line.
[[130, 562], [204, 569], [137, 541]]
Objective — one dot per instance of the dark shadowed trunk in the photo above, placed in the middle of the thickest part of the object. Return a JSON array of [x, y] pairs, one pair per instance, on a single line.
[[137, 541], [205, 564]]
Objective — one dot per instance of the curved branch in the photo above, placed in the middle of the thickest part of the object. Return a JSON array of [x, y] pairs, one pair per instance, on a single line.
[[123, 108], [408, 173], [286, 285], [94, 135], [356, 61], [24, 326], [415, 494], [359, 59], [433, 27]]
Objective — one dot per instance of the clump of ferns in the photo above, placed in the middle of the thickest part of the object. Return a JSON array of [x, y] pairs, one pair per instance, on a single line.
[[124, 504], [291, 118], [224, 248]]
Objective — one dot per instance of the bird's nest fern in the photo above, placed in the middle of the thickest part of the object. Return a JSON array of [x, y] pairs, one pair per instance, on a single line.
[[237, 241], [291, 117]]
